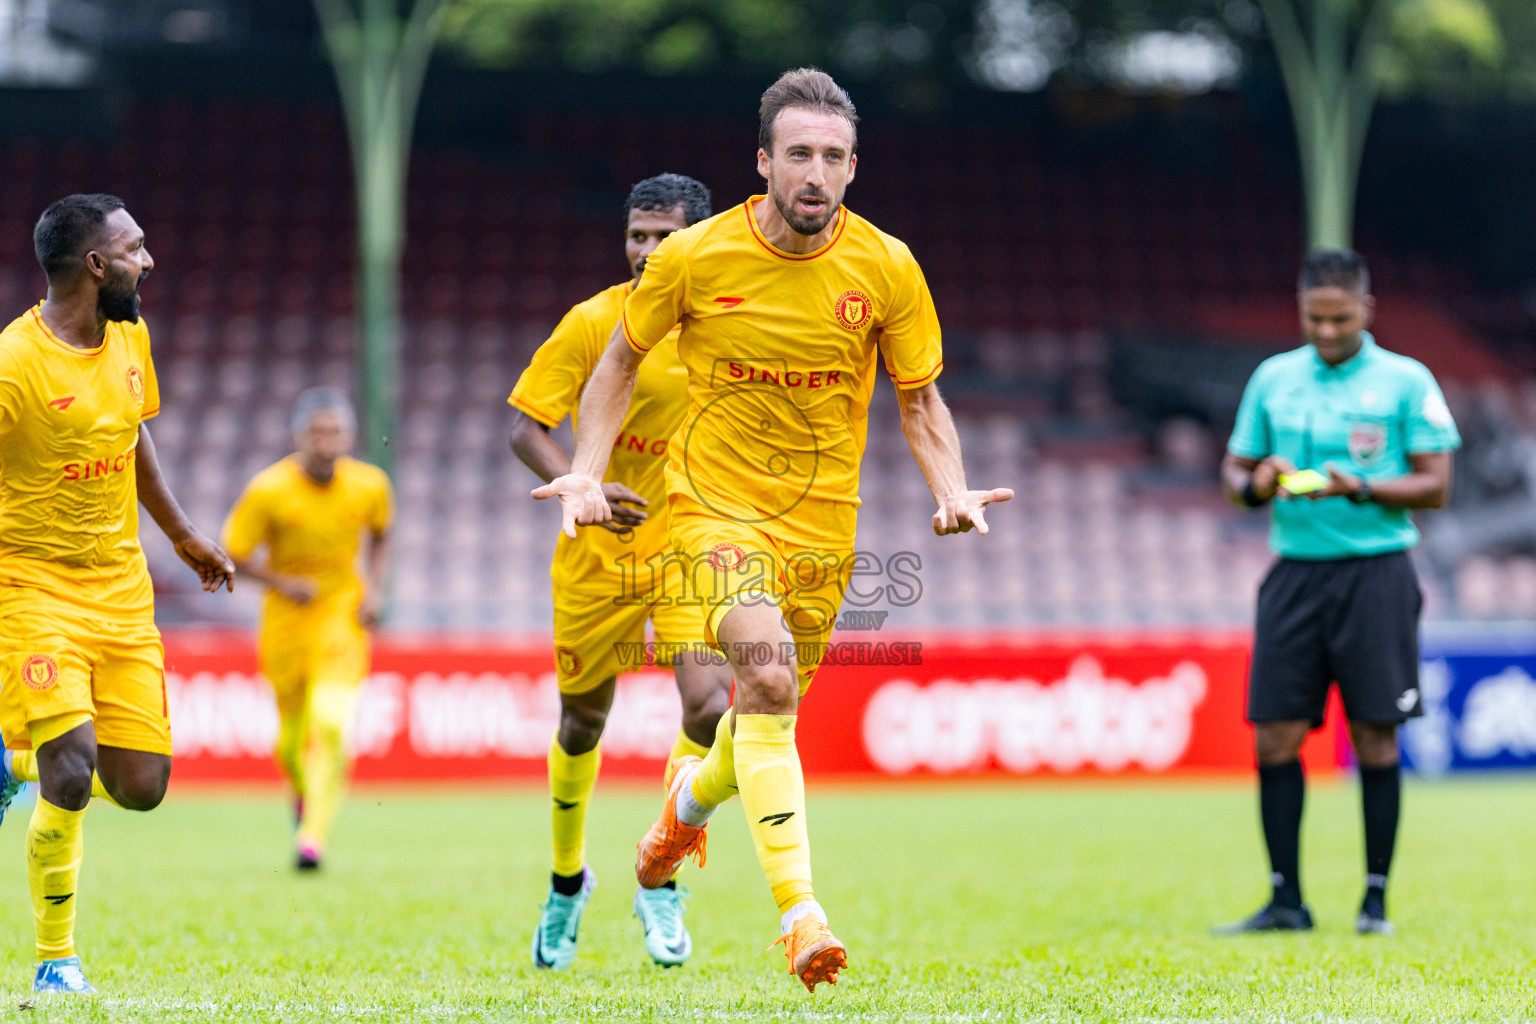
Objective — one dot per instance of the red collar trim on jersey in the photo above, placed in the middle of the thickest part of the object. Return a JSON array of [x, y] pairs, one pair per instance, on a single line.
[[37, 314], [757, 233]]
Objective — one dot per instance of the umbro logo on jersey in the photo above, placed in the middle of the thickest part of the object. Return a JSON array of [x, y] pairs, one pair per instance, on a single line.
[[63, 403], [565, 805], [730, 303], [776, 819]]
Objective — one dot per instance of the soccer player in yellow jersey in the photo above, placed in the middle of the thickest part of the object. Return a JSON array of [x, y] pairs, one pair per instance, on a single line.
[[785, 303], [82, 675], [311, 511], [603, 597]]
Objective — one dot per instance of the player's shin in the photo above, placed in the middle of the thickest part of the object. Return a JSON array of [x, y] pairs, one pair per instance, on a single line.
[[325, 763], [684, 747], [571, 778], [288, 752], [24, 767], [773, 794], [715, 781], [55, 845]]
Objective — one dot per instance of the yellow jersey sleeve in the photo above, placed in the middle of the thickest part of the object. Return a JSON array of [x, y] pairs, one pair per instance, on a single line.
[[151, 407], [550, 388], [909, 335], [12, 390], [246, 527], [381, 511], [660, 299]]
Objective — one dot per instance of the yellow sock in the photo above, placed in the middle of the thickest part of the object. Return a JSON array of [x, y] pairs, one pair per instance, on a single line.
[[289, 750], [55, 844], [325, 760], [715, 782], [24, 767], [571, 778], [683, 746], [773, 793]]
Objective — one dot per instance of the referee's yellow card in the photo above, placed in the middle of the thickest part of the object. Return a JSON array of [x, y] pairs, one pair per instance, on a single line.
[[1303, 481]]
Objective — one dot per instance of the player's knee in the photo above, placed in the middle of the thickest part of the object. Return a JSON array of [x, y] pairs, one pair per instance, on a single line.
[[68, 785], [702, 709], [143, 788], [774, 687], [581, 728], [1277, 742], [66, 767], [1375, 744]]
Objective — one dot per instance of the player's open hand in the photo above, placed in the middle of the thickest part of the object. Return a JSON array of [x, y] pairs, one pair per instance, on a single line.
[[209, 561], [1340, 484], [581, 501], [370, 610], [1267, 474], [959, 513], [628, 508]]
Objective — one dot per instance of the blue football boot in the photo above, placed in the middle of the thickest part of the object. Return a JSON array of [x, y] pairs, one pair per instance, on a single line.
[[10, 785], [661, 914], [554, 940], [61, 975]]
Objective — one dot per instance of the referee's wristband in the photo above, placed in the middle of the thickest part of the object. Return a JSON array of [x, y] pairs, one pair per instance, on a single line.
[[1250, 497]]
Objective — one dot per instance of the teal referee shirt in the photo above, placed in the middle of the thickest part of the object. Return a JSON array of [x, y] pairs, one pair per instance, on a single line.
[[1364, 416]]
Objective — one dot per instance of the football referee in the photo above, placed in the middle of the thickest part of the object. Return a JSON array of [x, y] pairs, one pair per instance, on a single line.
[[1341, 439]]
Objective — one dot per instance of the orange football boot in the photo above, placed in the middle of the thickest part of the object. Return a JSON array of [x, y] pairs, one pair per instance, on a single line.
[[669, 841], [814, 953]]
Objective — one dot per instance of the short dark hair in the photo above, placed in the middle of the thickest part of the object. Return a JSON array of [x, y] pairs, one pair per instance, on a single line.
[[666, 191], [322, 399], [810, 88], [68, 229], [1334, 268]]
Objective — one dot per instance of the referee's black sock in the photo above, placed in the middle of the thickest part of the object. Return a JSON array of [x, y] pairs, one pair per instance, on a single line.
[[1381, 792], [1282, 791]]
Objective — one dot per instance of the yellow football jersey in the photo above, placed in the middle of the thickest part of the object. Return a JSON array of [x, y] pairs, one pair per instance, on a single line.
[[780, 353], [310, 529], [69, 433], [550, 389]]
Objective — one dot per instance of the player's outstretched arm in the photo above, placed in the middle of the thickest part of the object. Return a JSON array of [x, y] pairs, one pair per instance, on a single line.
[[209, 560], [298, 589], [930, 432], [603, 405], [538, 451]]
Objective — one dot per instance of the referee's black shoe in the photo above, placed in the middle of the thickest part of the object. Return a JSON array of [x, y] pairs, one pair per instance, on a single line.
[[1373, 915], [1272, 918]]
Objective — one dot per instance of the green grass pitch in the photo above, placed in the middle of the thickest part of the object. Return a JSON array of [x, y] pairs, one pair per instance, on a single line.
[[1038, 902]]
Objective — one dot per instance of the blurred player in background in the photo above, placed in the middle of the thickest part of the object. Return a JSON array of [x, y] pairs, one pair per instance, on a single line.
[[1372, 431], [82, 695], [783, 301], [310, 511], [601, 590]]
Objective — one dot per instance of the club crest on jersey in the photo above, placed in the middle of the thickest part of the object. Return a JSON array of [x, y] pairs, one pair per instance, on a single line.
[[853, 309], [568, 661], [726, 556], [1366, 442], [136, 383], [40, 671]]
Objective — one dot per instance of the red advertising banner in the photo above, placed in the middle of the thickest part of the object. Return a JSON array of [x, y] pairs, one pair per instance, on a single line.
[[1064, 706]]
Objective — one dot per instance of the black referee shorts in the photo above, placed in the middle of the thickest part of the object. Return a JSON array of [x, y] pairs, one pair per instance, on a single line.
[[1354, 621]]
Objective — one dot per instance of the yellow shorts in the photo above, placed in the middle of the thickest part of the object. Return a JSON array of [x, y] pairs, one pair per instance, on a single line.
[[58, 664], [295, 657], [730, 563], [598, 637]]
